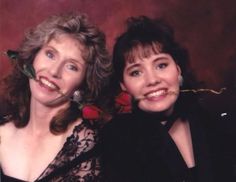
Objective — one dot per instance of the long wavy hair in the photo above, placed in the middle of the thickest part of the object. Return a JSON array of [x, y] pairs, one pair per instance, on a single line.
[[95, 54]]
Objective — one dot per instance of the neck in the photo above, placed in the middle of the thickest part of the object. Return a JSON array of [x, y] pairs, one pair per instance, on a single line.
[[166, 118], [41, 116]]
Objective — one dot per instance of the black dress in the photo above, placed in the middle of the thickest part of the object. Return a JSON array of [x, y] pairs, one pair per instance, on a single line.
[[77, 160], [138, 148]]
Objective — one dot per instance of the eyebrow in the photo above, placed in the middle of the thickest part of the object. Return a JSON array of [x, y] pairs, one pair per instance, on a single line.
[[136, 63], [79, 61], [51, 47], [161, 58], [133, 65]]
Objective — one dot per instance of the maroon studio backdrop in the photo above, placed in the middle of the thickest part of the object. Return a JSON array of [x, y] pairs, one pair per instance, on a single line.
[[206, 27]]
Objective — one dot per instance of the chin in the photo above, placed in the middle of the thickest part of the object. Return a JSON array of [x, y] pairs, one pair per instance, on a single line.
[[151, 109], [157, 108]]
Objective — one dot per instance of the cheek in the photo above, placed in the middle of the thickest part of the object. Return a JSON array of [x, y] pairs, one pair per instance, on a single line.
[[38, 63], [35, 63], [173, 79], [73, 83], [32, 86], [175, 82], [133, 88]]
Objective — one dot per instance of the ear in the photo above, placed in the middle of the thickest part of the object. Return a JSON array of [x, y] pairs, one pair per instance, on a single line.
[[179, 69], [123, 87]]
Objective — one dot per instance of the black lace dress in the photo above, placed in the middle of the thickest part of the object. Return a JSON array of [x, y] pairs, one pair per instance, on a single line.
[[77, 160]]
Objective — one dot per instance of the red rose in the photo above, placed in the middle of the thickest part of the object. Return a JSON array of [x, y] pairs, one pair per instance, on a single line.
[[123, 102], [125, 109], [91, 112]]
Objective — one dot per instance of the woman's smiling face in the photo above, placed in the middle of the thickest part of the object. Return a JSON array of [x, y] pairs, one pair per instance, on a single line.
[[153, 81], [60, 68]]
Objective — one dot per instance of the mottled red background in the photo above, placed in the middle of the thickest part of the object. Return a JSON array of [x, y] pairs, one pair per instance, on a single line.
[[206, 27]]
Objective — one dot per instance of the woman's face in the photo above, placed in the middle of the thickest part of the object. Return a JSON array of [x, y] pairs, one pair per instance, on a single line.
[[60, 68], [153, 81]]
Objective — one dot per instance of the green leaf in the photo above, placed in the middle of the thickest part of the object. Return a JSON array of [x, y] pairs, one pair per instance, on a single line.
[[29, 71], [13, 55]]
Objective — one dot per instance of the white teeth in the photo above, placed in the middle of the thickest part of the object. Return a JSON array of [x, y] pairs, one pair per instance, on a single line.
[[157, 93], [47, 83]]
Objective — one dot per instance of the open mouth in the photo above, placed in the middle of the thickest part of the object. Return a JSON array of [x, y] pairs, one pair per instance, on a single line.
[[157, 93], [47, 84]]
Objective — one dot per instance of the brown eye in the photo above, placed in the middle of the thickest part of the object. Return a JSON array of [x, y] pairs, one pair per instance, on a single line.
[[162, 65], [135, 73]]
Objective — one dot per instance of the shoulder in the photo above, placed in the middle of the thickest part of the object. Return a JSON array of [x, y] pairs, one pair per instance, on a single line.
[[7, 135], [121, 120], [119, 132], [81, 125], [84, 132], [7, 129], [119, 123]]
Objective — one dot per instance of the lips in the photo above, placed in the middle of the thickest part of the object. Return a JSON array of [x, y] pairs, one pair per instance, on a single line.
[[156, 93], [48, 84]]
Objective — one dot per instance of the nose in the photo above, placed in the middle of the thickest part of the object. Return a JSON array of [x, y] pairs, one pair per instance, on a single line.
[[55, 70], [152, 78]]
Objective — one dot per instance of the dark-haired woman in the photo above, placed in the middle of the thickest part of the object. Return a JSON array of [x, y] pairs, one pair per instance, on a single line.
[[165, 136]]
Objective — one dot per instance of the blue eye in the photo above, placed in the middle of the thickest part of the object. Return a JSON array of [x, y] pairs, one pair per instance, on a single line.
[[49, 54], [72, 67]]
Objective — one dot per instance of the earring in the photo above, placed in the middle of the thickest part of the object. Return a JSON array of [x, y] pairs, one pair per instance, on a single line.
[[181, 80], [77, 96]]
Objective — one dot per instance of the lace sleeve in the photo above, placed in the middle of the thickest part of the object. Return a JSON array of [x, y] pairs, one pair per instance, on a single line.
[[82, 141]]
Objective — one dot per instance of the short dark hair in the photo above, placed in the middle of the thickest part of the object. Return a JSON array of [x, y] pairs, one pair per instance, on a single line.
[[145, 35]]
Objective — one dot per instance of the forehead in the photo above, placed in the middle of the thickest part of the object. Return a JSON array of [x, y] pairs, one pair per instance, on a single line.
[[65, 38], [140, 51], [73, 41]]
